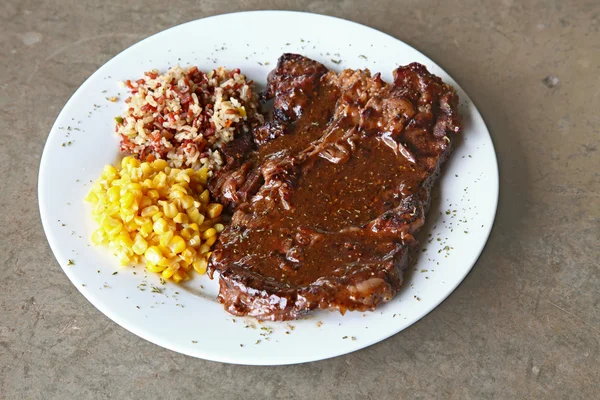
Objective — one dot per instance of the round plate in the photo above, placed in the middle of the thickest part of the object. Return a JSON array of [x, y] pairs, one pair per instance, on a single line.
[[187, 318]]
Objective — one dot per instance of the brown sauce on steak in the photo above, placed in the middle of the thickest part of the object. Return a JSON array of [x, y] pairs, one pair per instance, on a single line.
[[327, 202]]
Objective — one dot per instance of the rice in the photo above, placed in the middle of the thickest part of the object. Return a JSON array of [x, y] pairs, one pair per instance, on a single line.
[[185, 115]]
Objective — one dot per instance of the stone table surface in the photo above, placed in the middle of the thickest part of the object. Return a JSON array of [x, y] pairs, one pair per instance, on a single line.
[[525, 323]]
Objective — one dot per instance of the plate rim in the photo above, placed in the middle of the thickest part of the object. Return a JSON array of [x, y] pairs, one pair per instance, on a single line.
[[148, 335]]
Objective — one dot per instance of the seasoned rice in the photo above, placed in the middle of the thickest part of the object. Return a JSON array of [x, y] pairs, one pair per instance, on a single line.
[[185, 115]]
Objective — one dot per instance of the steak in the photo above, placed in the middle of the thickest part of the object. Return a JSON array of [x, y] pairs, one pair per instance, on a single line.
[[327, 196]]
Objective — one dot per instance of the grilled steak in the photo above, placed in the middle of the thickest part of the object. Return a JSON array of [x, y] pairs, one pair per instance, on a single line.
[[327, 197]]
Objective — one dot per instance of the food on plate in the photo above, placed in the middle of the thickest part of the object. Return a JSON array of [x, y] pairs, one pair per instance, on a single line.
[[156, 208], [328, 194], [185, 115], [149, 212]]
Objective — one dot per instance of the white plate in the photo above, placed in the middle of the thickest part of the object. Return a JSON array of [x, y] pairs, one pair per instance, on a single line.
[[188, 319]]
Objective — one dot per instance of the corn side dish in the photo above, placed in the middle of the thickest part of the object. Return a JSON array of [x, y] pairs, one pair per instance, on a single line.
[[150, 213]]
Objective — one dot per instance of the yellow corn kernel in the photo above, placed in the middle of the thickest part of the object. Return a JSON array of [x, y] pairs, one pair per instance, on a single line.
[[205, 248], [127, 217], [200, 265], [184, 262], [154, 268], [149, 211], [167, 260], [134, 163], [146, 168], [153, 194], [109, 172], [137, 175], [139, 246], [98, 236], [140, 220], [185, 266], [112, 226], [159, 165], [163, 192], [214, 210], [91, 197], [130, 224], [157, 216], [125, 162], [187, 201], [160, 226], [170, 209], [153, 255], [209, 233], [195, 241], [178, 187], [160, 180], [177, 244], [181, 218], [211, 240], [97, 187], [187, 233], [180, 275], [182, 177], [113, 194], [165, 238], [151, 237], [146, 228], [204, 197], [124, 240], [219, 227], [145, 202], [99, 207], [114, 246], [123, 257], [195, 215], [137, 195], [176, 194], [167, 273], [188, 255], [134, 186], [127, 200], [202, 175], [194, 226], [112, 210]]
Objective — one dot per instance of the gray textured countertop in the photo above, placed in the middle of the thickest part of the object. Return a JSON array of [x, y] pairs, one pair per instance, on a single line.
[[524, 324]]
